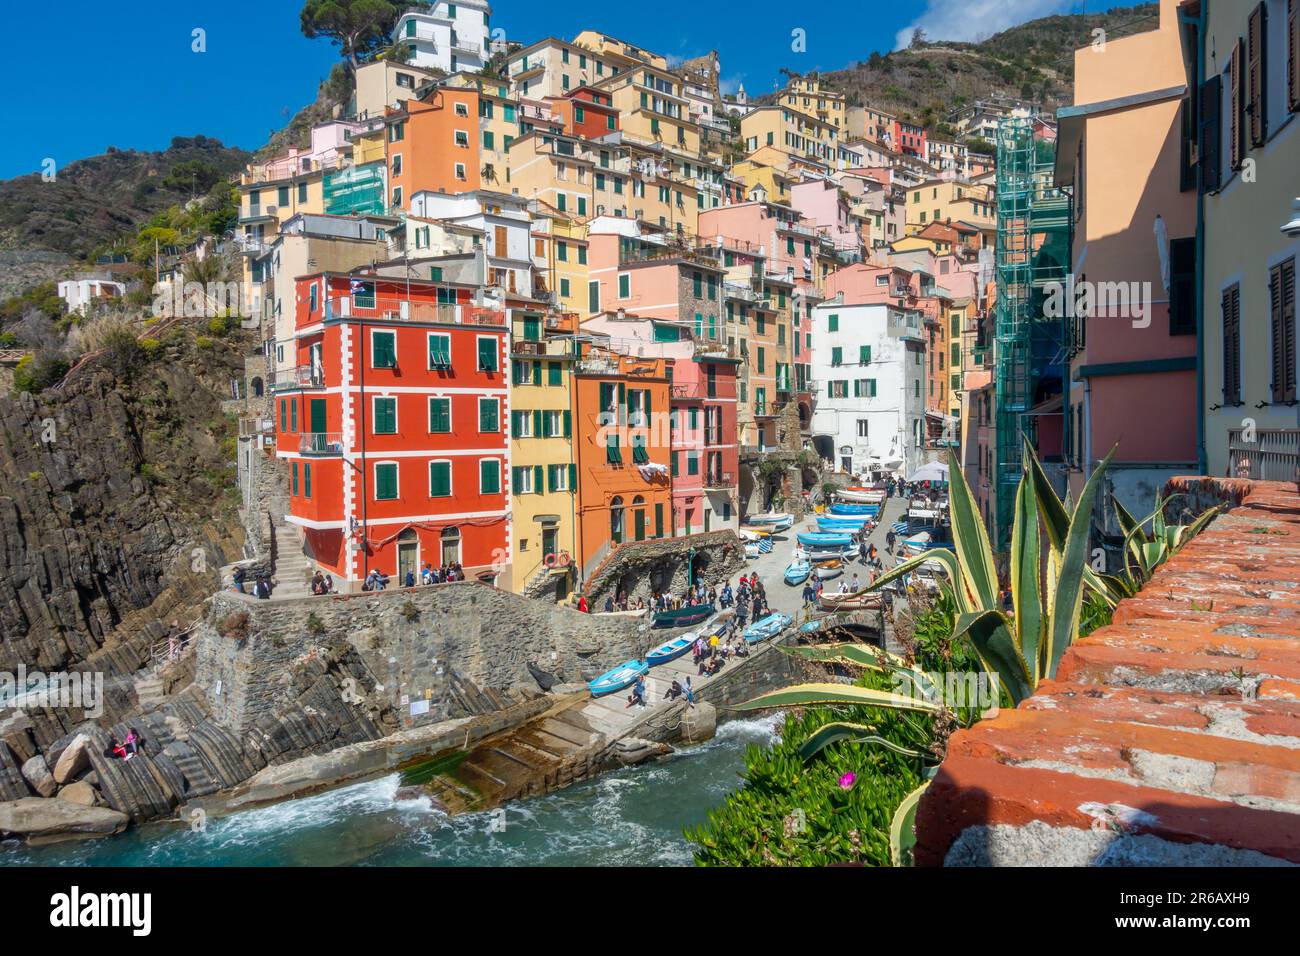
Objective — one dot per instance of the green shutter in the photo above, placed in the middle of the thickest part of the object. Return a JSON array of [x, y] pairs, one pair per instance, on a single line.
[[573, 477], [440, 415], [538, 487], [659, 521], [516, 480], [487, 355], [487, 415], [385, 482], [554, 373], [385, 416], [537, 424], [568, 423], [546, 424], [537, 373], [294, 473], [385, 350], [306, 479], [440, 479], [489, 476]]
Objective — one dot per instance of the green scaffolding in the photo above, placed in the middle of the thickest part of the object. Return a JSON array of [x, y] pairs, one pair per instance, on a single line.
[[1032, 253]]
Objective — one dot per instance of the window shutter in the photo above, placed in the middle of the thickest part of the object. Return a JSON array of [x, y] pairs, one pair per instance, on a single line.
[[1182, 286], [1237, 103], [537, 423], [1232, 345], [537, 373], [1283, 296], [568, 423], [546, 424], [487, 355], [1293, 56], [537, 479], [1256, 49], [1211, 132], [516, 481], [573, 477]]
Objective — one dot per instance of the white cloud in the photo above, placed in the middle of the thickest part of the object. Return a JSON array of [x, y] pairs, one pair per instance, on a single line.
[[972, 20]]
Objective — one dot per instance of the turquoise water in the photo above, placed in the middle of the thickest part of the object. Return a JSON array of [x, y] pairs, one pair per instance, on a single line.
[[632, 817]]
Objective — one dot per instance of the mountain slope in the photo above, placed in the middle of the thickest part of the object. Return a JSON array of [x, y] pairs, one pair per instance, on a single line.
[[1033, 61]]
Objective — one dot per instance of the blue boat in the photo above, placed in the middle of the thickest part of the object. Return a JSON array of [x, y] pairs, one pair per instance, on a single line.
[[624, 675], [670, 650], [824, 539], [853, 508], [769, 626], [850, 524], [797, 572]]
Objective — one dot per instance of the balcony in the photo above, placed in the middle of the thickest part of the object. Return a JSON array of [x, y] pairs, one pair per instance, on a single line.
[[719, 480], [321, 444], [547, 348], [300, 377], [1273, 456], [404, 310], [684, 392]]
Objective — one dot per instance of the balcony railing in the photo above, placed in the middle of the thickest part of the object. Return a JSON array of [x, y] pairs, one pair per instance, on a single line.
[[320, 443], [691, 390], [720, 479], [1274, 455], [303, 376], [404, 310]]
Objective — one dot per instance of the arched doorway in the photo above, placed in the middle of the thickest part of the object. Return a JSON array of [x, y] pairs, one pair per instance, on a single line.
[[450, 546], [616, 520]]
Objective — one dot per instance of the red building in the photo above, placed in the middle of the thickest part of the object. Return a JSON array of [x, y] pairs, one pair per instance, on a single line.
[[586, 113], [395, 428], [910, 139]]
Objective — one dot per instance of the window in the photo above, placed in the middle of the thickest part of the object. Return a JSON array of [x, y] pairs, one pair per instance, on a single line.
[[1231, 306], [1182, 287], [440, 416], [837, 356], [863, 423], [385, 414], [383, 349], [624, 285], [489, 414], [462, 109], [293, 483], [460, 171], [386, 481], [439, 350], [306, 479], [439, 479], [521, 481], [487, 354], [363, 296], [833, 323], [1281, 287], [489, 476]]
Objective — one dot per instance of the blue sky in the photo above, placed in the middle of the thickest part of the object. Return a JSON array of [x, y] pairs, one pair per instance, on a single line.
[[84, 76]]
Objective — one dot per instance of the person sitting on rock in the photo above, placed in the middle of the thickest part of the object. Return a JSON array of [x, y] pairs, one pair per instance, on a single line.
[[674, 691]]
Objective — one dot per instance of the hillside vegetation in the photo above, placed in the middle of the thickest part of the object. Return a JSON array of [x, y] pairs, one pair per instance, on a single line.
[[1032, 61]]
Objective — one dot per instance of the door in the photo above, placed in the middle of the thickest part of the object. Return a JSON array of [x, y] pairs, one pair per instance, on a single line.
[[550, 537], [640, 524], [408, 556], [318, 429]]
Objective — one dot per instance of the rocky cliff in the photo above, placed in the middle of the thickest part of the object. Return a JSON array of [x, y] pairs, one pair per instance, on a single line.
[[116, 503]]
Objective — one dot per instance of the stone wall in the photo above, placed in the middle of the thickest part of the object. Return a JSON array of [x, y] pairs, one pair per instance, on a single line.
[[1168, 737], [461, 647], [641, 567]]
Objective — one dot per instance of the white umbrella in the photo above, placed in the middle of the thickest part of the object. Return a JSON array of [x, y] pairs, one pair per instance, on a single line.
[[930, 471]]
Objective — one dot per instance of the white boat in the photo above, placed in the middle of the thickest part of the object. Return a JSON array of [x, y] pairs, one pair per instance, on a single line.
[[866, 497]]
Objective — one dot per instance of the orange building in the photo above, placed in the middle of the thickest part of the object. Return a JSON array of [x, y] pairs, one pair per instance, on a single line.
[[433, 144], [622, 447], [585, 112]]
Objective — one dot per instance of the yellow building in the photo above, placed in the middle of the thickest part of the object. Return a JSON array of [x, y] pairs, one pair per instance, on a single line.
[[653, 109], [559, 247], [794, 133], [498, 125], [806, 95], [542, 475], [385, 83], [756, 170], [944, 200]]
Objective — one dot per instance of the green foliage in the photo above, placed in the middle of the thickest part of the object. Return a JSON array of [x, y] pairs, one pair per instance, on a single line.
[[359, 28], [34, 373], [1145, 551], [1047, 590], [44, 298], [795, 812]]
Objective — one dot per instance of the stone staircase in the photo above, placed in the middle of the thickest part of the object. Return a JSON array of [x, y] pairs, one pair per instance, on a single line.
[[293, 570], [149, 690]]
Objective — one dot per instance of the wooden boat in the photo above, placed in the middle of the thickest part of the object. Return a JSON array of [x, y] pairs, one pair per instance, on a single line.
[[624, 675], [854, 508], [850, 601], [850, 523], [866, 496], [797, 572], [684, 616], [775, 519], [769, 626], [827, 554], [829, 569], [822, 540], [753, 534], [670, 650]]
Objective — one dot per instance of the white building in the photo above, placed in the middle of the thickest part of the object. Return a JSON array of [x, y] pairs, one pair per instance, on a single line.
[[869, 366], [79, 294], [503, 222], [448, 36]]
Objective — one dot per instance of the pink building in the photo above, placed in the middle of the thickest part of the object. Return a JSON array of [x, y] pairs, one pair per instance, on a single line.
[[822, 204], [701, 416]]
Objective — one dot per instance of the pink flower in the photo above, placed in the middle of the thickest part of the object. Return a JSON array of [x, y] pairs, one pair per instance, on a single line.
[[846, 781]]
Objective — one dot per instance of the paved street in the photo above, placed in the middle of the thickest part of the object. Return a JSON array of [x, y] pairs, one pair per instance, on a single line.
[[771, 567]]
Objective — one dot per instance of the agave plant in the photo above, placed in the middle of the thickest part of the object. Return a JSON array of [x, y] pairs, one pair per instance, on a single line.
[[1145, 551]]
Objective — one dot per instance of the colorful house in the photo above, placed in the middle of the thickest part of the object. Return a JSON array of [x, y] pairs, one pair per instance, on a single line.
[[396, 438]]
